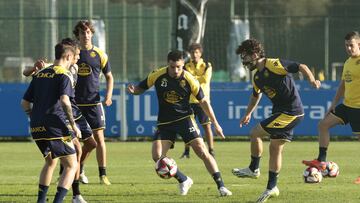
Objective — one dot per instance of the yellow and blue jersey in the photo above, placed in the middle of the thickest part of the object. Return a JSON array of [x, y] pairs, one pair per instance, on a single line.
[[173, 94], [351, 78], [202, 71], [44, 91], [279, 86], [91, 63]]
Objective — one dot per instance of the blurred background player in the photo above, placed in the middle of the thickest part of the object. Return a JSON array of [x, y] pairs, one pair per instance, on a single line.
[[50, 118], [92, 62], [202, 71], [349, 110], [80, 121], [173, 87], [272, 78]]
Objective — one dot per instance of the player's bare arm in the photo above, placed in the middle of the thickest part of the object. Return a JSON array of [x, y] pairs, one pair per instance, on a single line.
[[26, 105], [306, 71], [253, 102], [205, 105], [338, 96], [134, 89], [66, 105], [109, 88], [30, 70]]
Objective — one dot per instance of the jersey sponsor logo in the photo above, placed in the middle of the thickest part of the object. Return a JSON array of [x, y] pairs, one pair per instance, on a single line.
[[347, 76], [38, 129], [45, 75], [84, 70], [172, 97], [270, 92]]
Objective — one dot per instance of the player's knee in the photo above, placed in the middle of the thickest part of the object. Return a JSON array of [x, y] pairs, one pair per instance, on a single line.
[[322, 125]]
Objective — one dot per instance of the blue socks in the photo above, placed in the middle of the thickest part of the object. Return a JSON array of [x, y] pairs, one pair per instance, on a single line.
[[218, 180], [60, 195], [254, 164], [42, 193], [180, 177], [272, 180]]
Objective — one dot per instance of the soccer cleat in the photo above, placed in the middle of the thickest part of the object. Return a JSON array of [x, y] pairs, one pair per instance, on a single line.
[[246, 173], [78, 199], [269, 193], [315, 163], [104, 180], [357, 180], [185, 155], [185, 186], [83, 178], [224, 192]]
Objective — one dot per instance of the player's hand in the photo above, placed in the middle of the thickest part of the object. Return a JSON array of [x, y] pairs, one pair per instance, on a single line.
[[245, 120], [331, 109], [77, 131], [107, 102], [131, 88], [39, 64], [316, 84], [219, 131]]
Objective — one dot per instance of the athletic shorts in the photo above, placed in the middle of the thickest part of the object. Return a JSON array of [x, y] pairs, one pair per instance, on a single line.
[[186, 128], [349, 115], [280, 125], [94, 115], [84, 127], [57, 147], [200, 114]]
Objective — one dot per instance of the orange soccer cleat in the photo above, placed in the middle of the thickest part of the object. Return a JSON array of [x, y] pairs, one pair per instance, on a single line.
[[315, 163]]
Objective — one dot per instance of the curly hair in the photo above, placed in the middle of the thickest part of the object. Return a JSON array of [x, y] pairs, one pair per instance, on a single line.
[[82, 25], [251, 46]]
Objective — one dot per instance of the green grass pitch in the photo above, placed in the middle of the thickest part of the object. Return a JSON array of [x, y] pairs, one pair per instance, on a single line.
[[133, 178]]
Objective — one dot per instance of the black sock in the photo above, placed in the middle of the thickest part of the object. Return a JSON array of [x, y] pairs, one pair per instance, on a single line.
[[61, 169], [254, 164], [180, 177], [218, 180], [322, 154], [60, 195], [272, 180], [102, 171], [187, 149], [76, 188], [81, 168], [42, 193]]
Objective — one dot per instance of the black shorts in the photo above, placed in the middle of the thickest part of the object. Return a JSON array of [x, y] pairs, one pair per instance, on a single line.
[[94, 115], [84, 127], [200, 114], [280, 125], [349, 115], [186, 128], [57, 147]]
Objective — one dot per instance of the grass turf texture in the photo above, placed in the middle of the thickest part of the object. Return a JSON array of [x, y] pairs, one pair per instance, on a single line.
[[133, 177]]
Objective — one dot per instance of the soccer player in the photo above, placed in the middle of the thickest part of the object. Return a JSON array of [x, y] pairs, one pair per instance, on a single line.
[[47, 103], [272, 78], [202, 71], [92, 62], [80, 121], [349, 110], [173, 87]]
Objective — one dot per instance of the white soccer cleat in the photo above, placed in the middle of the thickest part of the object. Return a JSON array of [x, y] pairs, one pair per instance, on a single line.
[[185, 186], [246, 173], [268, 194], [224, 192], [78, 199], [83, 178]]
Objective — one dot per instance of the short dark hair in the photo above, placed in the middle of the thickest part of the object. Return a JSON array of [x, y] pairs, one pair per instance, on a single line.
[[82, 25], [62, 49], [195, 46], [352, 35], [70, 42], [251, 46], [175, 55]]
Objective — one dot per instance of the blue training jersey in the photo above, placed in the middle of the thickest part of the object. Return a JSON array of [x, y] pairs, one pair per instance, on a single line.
[[91, 63], [279, 86], [173, 94], [44, 91]]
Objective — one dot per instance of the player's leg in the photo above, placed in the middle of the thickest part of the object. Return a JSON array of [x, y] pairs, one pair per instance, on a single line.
[[77, 197], [332, 119], [45, 177], [256, 149], [101, 155], [209, 138], [201, 151], [88, 146]]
